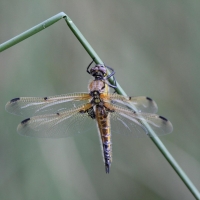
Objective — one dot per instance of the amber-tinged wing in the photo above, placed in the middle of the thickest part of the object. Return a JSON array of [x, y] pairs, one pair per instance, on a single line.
[[124, 120], [29, 106], [142, 103], [59, 125]]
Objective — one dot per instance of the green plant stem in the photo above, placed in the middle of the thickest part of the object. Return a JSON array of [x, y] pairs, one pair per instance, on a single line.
[[153, 137], [119, 90], [31, 31], [89, 49]]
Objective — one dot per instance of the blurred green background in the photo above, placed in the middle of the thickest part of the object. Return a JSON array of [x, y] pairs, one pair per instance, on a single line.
[[154, 48]]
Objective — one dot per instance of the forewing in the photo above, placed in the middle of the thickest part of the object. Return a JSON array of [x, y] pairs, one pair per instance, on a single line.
[[142, 103], [29, 106], [125, 120], [58, 125]]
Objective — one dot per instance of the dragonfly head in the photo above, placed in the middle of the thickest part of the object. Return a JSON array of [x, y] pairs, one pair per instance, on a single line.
[[98, 71]]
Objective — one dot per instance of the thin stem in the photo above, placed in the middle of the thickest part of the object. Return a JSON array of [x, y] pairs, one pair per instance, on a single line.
[[153, 137], [119, 90], [32, 31], [90, 50]]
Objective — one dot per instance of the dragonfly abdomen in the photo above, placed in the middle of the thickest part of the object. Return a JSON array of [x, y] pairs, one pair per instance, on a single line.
[[103, 122], [107, 150]]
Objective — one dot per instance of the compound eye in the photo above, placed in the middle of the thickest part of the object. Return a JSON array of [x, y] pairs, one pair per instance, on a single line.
[[102, 69], [92, 71]]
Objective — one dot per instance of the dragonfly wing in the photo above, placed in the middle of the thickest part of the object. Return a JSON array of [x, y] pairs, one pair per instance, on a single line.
[[29, 106], [63, 124], [124, 120], [142, 103]]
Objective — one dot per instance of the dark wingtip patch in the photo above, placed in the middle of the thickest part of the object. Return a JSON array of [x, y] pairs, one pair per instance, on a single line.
[[161, 117], [25, 121], [148, 98], [57, 113], [45, 98], [14, 100]]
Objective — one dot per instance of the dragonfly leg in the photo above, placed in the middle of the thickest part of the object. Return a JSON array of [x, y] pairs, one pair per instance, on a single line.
[[88, 108], [111, 75], [89, 66]]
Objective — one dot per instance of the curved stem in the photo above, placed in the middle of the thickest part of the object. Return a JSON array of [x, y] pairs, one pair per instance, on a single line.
[[119, 90], [31, 31]]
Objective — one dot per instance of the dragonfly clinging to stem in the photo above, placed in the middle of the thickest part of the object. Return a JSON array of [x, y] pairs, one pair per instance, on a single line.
[[51, 117]]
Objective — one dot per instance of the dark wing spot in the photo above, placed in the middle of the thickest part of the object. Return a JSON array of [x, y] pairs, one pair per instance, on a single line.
[[15, 99], [25, 121], [58, 113], [148, 98], [130, 98], [45, 98], [161, 117]]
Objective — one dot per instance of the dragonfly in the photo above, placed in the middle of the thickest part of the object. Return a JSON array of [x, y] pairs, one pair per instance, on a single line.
[[75, 113]]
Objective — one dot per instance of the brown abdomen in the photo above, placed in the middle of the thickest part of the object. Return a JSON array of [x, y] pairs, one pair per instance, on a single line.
[[103, 121]]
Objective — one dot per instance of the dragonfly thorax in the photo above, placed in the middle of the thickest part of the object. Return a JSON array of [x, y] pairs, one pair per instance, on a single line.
[[97, 85], [95, 97]]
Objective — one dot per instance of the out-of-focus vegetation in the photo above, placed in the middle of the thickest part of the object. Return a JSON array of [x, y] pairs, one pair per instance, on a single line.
[[154, 48]]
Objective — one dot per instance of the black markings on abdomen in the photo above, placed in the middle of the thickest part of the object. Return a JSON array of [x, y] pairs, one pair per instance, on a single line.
[[107, 155]]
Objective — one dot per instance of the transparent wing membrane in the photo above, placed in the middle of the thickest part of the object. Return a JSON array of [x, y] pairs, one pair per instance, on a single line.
[[126, 121], [142, 103], [58, 125], [29, 106], [54, 119]]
